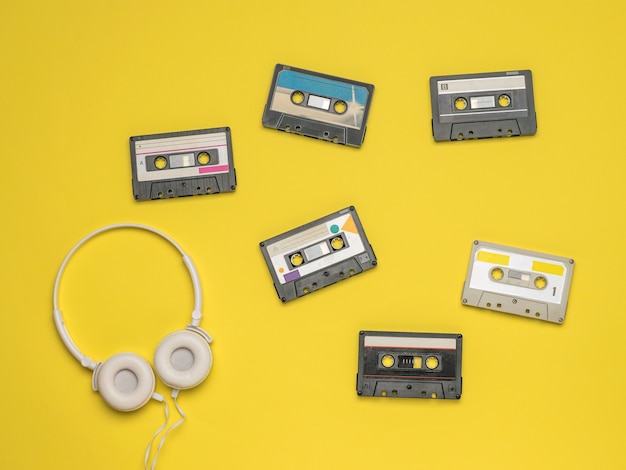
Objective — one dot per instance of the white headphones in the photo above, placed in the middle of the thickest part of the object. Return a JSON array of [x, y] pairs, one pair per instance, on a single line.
[[125, 381]]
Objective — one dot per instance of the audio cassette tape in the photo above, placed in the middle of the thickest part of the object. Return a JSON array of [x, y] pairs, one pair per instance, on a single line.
[[521, 282], [409, 365], [187, 163], [318, 254], [481, 105], [318, 105]]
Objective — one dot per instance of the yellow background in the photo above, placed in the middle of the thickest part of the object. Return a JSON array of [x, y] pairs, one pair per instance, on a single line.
[[78, 78]]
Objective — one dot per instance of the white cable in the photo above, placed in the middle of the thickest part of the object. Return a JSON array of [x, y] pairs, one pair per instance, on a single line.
[[149, 448], [173, 426], [86, 361]]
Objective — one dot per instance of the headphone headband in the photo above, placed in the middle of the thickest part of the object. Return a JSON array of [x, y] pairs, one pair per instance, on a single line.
[[196, 315]]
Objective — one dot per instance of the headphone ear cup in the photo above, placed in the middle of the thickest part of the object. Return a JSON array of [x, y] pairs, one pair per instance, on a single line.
[[125, 381], [183, 359]]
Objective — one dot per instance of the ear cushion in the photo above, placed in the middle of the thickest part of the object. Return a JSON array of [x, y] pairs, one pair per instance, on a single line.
[[183, 359], [125, 381]]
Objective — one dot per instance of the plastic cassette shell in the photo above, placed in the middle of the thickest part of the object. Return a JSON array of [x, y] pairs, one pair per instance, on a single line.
[[409, 365], [187, 163], [521, 282], [318, 254], [316, 115], [476, 106]]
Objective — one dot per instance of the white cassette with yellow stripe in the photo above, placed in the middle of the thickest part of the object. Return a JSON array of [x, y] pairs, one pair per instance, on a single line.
[[518, 281]]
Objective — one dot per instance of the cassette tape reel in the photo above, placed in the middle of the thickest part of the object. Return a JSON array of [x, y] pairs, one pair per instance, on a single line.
[[318, 105], [187, 163], [516, 281], [318, 254], [482, 105], [409, 365]]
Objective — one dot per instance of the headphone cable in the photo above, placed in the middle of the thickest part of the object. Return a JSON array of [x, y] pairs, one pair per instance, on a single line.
[[175, 392]]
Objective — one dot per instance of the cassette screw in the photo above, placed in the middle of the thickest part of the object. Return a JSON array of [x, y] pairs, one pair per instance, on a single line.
[[514, 301]]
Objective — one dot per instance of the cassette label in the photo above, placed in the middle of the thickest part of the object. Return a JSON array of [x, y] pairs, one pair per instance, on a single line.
[[476, 106], [409, 365], [518, 281], [318, 105], [318, 254], [182, 164]]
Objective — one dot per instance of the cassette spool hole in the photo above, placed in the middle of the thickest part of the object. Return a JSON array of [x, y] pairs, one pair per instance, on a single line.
[[297, 97], [497, 274], [337, 243], [204, 158], [296, 259], [387, 361], [460, 103], [431, 362], [160, 162], [504, 101], [340, 107], [540, 282]]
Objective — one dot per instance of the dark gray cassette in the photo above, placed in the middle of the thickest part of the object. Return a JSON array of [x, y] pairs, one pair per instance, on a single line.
[[318, 254], [481, 105], [318, 105], [409, 365], [187, 163]]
